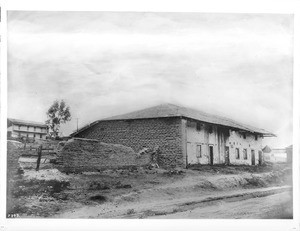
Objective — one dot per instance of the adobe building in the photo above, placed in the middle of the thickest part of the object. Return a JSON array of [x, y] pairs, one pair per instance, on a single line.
[[184, 136]]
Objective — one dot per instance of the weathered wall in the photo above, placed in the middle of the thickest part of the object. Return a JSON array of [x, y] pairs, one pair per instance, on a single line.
[[78, 155], [236, 140], [219, 137], [216, 138], [166, 133]]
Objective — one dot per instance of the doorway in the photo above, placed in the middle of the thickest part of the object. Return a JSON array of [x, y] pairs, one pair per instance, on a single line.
[[260, 159], [211, 155], [252, 157], [227, 160]]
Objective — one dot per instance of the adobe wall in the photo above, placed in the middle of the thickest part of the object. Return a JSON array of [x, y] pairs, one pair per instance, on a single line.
[[219, 138], [204, 138], [79, 155], [236, 140], [165, 133]]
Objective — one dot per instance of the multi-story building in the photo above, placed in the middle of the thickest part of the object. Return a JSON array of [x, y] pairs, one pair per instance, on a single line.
[[21, 128]]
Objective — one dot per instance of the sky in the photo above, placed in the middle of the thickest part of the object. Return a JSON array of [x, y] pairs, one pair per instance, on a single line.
[[107, 63]]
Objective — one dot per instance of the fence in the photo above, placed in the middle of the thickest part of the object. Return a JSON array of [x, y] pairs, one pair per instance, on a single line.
[[38, 152]]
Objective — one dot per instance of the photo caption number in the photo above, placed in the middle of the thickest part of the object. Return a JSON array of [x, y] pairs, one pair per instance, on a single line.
[[13, 215]]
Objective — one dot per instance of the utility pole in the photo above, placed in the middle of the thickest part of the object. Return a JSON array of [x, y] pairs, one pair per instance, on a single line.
[[77, 123]]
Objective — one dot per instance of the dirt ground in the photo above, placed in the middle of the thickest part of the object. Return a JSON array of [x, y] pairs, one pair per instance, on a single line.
[[274, 206], [145, 193]]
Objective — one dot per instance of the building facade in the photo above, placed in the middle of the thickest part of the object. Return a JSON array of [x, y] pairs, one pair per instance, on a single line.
[[184, 136], [289, 154], [21, 128], [277, 155]]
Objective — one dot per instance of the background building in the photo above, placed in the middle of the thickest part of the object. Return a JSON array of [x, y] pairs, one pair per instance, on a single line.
[[21, 128], [289, 154]]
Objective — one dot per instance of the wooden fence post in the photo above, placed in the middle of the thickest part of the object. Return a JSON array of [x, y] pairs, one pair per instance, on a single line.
[[24, 144], [39, 157]]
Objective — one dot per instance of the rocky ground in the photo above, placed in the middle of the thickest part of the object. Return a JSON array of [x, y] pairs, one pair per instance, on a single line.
[[202, 192]]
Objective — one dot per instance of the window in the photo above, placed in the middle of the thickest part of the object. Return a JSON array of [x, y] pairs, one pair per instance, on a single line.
[[255, 137], [198, 153], [19, 127], [27, 128], [198, 126], [34, 128], [245, 154], [34, 135], [41, 136], [210, 129], [244, 135], [237, 153]]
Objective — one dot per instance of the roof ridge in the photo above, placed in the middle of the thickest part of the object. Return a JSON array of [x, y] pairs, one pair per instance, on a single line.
[[26, 121], [165, 110]]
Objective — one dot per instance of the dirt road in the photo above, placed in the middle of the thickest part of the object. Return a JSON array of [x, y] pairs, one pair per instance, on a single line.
[[253, 203], [276, 206]]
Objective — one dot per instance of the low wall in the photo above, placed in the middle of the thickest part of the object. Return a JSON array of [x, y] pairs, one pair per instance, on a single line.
[[165, 133], [79, 155], [14, 151]]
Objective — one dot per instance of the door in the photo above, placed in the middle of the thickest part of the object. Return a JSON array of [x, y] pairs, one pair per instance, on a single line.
[[252, 157], [191, 154], [211, 155], [260, 159], [227, 160]]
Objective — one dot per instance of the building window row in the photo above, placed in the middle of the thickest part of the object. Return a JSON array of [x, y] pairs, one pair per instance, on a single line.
[[27, 128], [245, 153], [245, 136], [34, 135]]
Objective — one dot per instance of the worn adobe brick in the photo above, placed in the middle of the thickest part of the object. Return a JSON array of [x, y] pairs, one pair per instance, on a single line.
[[165, 133], [79, 155]]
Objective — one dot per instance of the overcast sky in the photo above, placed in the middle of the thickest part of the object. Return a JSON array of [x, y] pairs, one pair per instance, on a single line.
[[104, 63]]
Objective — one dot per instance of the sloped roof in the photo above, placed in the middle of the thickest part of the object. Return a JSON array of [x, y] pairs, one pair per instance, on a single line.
[[267, 149], [171, 110], [26, 122], [289, 147]]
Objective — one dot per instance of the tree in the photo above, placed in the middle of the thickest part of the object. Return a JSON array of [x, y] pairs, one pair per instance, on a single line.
[[57, 114]]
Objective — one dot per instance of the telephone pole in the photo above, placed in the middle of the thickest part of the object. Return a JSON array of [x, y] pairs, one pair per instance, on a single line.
[[77, 123]]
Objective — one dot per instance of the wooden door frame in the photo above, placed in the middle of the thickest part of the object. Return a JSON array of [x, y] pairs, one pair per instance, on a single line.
[[211, 158], [252, 157], [260, 158]]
